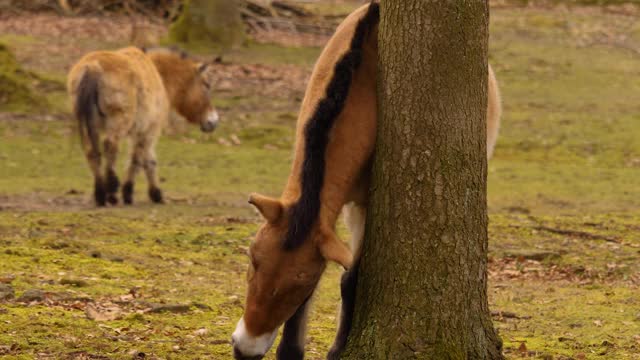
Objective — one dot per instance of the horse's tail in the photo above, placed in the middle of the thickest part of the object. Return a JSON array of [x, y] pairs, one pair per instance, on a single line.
[[86, 108]]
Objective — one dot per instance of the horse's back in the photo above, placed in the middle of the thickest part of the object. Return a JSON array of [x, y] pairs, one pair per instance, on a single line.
[[129, 83], [358, 114], [324, 68]]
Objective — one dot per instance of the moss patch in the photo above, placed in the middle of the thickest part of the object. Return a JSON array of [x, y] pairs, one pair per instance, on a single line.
[[208, 24], [16, 85]]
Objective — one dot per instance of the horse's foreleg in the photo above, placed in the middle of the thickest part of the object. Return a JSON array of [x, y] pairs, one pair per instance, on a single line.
[[111, 179], [348, 294], [293, 336], [355, 216]]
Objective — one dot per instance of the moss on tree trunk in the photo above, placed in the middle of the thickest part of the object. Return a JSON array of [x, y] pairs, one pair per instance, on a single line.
[[206, 24], [422, 287], [16, 93]]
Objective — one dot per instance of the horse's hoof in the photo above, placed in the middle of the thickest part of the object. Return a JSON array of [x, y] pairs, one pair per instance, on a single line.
[[113, 183], [155, 194], [112, 199], [100, 197], [127, 193]]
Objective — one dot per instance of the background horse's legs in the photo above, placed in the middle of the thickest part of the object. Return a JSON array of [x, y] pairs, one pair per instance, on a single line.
[[135, 164], [112, 183], [150, 164], [93, 158]]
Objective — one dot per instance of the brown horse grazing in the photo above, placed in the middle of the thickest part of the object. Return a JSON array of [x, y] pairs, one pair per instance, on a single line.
[[335, 140], [128, 93]]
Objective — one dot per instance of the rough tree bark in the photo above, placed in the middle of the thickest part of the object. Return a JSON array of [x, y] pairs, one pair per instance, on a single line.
[[209, 23], [422, 288], [16, 90]]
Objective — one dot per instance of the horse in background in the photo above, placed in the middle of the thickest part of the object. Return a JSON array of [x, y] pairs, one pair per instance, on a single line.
[[128, 93]]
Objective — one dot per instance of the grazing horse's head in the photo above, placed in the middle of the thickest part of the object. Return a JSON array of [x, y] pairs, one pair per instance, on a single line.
[[196, 105], [280, 279], [189, 85]]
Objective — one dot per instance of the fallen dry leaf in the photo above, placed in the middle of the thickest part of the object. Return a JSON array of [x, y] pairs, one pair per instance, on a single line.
[[523, 348], [235, 139], [97, 313], [201, 332]]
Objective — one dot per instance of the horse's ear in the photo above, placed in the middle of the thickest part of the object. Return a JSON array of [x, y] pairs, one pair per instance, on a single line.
[[270, 208], [333, 249], [202, 67]]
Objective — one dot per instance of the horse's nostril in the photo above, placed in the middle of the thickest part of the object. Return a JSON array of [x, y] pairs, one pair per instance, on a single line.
[[238, 355], [208, 126]]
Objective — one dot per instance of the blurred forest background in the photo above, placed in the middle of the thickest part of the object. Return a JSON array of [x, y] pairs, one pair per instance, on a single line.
[[167, 282]]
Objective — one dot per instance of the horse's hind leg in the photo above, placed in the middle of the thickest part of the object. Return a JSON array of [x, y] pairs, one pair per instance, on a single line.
[[111, 179], [150, 165], [99, 188], [137, 152]]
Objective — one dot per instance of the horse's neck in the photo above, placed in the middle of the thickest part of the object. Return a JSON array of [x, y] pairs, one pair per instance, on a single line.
[[334, 194], [173, 77], [172, 87]]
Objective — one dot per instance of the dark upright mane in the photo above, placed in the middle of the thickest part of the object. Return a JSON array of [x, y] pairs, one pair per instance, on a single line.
[[305, 211]]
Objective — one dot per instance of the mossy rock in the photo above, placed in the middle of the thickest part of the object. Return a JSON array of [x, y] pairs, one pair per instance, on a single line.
[[207, 25], [16, 93]]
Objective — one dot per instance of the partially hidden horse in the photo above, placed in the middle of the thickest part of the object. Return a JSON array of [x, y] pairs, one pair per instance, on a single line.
[[128, 93], [335, 140]]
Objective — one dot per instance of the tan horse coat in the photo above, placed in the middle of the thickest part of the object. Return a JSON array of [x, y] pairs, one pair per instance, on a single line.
[[128, 94]]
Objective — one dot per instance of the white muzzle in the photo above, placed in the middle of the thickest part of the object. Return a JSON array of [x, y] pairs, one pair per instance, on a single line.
[[247, 346], [211, 122]]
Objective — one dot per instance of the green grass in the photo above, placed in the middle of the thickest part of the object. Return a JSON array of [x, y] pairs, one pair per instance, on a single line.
[[562, 189], [569, 133]]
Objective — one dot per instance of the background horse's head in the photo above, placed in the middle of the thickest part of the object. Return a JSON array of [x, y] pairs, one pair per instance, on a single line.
[[280, 280], [189, 85]]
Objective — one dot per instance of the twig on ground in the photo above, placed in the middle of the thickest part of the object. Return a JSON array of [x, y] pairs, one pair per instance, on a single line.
[[570, 233], [509, 315]]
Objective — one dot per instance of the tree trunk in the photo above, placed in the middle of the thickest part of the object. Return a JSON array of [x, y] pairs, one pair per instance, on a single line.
[[16, 91], [206, 24], [422, 287]]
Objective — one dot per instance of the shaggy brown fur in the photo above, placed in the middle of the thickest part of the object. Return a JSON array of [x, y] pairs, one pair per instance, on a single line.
[[290, 252], [128, 93]]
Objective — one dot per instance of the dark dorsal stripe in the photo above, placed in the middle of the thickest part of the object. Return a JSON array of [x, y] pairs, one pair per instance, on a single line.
[[305, 211]]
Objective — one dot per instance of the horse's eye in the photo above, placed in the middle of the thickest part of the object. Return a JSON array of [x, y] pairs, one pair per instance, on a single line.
[[302, 276]]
